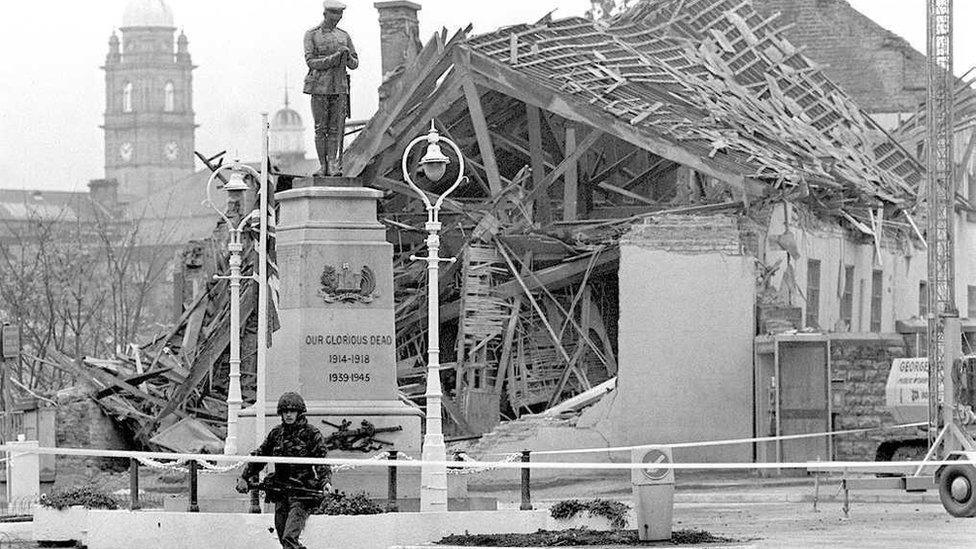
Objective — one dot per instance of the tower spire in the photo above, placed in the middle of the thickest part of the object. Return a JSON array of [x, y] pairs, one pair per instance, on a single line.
[[286, 89]]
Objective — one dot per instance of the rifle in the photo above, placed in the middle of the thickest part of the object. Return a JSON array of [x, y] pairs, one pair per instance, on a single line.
[[275, 489], [362, 439]]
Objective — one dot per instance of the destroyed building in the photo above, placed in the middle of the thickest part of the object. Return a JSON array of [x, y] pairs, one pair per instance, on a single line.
[[660, 207], [650, 193]]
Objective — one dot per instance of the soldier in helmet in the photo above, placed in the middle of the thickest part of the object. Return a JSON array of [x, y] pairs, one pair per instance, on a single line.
[[294, 437], [328, 53]]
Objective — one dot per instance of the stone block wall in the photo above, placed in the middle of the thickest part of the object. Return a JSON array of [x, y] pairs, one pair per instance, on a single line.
[[82, 424], [860, 365]]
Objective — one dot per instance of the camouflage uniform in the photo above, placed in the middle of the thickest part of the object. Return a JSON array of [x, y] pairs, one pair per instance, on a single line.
[[297, 440]]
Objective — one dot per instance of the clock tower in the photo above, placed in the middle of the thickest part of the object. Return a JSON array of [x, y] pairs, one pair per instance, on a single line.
[[148, 102]]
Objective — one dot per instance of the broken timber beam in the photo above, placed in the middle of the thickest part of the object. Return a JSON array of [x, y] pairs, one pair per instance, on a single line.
[[422, 73], [490, 74], [571, 366], [567, 165], [555, 277], [537, 157], [480, 123], [571, 176], [135, 381]]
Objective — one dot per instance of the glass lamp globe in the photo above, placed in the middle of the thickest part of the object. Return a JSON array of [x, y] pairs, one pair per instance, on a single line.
[[236, 187], [434, 163]]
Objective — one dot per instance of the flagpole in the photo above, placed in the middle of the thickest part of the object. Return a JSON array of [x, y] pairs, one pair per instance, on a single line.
[[262, 355]]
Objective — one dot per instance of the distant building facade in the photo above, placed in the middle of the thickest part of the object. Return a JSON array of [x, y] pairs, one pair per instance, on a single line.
[[880, 70], [149, 120], [286, 136]]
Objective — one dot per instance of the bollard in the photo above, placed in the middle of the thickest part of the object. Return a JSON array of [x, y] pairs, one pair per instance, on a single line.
[[255, 502], [847, 496], [816, 492], [194, 506], [391, 505], [526, 494], [653, 492], [133, 484]]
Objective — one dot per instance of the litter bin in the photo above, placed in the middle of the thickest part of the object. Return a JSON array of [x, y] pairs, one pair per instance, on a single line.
[[653, 488]]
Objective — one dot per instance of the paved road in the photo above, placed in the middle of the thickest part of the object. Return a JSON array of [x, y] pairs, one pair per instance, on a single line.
[[781, 515], [796, 525]]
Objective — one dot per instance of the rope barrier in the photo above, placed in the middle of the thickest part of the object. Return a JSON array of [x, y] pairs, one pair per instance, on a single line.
[[728, 442], [472, 471], [473, 464], [182, 465], [377, 457], [178, 465], [209, 468]]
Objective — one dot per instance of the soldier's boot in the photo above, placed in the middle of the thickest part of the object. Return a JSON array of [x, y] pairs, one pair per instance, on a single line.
[[322, 150], [334, 146]]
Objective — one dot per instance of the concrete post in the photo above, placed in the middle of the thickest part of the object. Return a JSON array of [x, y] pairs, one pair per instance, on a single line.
[[526, 504], [134, 484], [392, 484], [23, 473]]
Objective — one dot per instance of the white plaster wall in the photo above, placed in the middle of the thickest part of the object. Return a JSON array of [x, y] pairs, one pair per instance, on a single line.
[[965, 261], [685, 337], [903, 268]]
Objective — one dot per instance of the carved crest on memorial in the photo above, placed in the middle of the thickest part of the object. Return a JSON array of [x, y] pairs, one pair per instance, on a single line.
[[345, 285]]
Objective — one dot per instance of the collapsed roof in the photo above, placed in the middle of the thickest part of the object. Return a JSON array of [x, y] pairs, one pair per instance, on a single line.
[[707, 84]]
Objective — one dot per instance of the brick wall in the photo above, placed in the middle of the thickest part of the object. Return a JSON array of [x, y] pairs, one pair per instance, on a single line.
[[688, 234], [860, 365], [878, 68]]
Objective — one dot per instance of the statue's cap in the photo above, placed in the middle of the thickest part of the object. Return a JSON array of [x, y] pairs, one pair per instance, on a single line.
[[333, 5]]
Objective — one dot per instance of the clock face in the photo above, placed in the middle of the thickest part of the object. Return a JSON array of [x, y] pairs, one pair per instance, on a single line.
[[172, 150], [125, 152]]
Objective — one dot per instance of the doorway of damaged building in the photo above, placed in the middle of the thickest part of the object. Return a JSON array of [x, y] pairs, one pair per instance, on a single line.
[[793, 397]]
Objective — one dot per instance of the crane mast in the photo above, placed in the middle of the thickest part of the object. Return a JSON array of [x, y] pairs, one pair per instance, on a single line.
[[941, 195]]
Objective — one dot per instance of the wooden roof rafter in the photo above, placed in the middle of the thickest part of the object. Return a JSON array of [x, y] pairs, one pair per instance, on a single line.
[[490, 74]]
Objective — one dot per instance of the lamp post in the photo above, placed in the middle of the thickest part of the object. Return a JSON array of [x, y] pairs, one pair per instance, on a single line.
[[433, 478], [235, 189]]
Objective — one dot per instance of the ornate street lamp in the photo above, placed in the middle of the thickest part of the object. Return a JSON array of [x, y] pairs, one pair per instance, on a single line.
[[433, 478], [235, 189]]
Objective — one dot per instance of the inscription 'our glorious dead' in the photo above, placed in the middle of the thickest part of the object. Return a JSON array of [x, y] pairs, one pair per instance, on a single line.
[[349, 339]]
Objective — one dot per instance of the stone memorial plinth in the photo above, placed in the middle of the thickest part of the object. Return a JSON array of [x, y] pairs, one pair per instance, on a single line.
[[337, 342]]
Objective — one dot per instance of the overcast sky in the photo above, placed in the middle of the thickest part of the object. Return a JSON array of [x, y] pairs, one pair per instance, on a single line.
[[52, 91]]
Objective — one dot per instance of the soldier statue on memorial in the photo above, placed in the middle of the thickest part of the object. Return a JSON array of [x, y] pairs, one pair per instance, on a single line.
[[329, 52]]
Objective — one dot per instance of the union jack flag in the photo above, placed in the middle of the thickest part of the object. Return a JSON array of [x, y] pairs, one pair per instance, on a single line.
[[254, 232]]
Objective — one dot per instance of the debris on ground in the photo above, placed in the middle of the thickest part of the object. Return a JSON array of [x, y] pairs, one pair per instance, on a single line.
[[580, 537]]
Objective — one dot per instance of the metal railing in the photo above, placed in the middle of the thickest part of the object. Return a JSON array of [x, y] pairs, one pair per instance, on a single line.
[[193, 468]]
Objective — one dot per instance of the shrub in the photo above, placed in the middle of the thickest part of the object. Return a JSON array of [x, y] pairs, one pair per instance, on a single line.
[[613, 511], [87, 496], [338, 503]]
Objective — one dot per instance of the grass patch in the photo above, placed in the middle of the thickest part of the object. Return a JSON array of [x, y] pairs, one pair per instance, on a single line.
[[614, 511]]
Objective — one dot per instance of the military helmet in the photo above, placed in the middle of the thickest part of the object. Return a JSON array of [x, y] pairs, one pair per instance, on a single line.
[[291, 402]]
